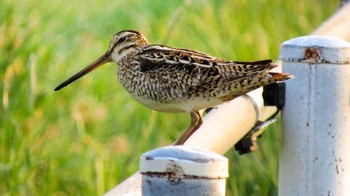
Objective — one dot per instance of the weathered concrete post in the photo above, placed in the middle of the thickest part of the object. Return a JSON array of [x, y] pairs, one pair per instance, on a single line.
[[180, 170]]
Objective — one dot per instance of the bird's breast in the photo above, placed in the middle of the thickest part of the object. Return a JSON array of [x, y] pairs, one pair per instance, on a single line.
[[163, 90]]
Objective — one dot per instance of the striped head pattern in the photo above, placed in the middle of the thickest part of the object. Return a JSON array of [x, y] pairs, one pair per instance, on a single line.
[[125, 42]]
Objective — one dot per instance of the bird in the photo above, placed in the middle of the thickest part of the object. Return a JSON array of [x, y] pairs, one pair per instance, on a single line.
[[175, 80]]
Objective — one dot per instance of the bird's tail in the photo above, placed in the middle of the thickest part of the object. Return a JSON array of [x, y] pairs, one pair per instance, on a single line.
[[280, 76]]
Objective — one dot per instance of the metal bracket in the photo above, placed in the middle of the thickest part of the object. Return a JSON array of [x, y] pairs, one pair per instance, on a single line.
[[274, 95]]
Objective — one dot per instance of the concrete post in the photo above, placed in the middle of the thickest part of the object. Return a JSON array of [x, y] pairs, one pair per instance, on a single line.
[[180, 170], [315, 146]]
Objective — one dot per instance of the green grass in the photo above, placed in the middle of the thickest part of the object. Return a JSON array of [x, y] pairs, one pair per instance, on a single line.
[[87, 138]]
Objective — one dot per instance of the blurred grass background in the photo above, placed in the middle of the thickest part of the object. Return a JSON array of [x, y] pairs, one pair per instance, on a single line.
[[87, 138]]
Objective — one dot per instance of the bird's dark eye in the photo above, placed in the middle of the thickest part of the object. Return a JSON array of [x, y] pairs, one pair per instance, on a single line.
[[122, 39]]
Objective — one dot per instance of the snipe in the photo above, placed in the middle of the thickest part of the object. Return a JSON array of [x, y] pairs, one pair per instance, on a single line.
[[174, 80]]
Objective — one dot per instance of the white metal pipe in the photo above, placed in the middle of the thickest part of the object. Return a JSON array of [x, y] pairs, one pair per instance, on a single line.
[[337, 25], [181, 170], [231, 121], [229, 127], [314, 154]]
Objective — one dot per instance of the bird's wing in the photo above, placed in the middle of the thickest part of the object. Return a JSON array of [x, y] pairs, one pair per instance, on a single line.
[[158, 57]]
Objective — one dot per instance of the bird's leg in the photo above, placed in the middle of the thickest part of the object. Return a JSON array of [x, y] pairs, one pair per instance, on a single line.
[[196, 122]]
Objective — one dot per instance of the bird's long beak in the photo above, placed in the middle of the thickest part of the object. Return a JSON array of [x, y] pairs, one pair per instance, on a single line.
[[97, 63]]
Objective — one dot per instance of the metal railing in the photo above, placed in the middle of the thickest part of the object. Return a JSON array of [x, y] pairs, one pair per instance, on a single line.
[[329, 170]]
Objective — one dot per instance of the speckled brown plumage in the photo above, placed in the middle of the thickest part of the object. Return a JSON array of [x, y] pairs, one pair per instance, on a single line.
[[179, 80]]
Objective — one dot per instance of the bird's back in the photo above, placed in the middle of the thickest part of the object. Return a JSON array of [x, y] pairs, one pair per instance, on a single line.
[[179, 80]]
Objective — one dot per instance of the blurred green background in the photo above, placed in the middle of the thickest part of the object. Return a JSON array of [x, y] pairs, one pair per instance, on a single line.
[[87, 138]]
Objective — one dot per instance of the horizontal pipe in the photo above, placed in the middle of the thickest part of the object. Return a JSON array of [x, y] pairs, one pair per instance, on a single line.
[[222, 127], [337, 25]]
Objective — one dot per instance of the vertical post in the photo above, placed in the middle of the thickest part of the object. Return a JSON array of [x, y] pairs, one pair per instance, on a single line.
[[180, 170], [315, 146]]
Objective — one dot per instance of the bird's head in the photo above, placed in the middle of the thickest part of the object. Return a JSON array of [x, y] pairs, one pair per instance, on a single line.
[[122, 44], [125, 42]]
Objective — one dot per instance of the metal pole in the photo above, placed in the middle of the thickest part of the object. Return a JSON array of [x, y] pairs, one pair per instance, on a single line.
[[315, 146], [180, 170]]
